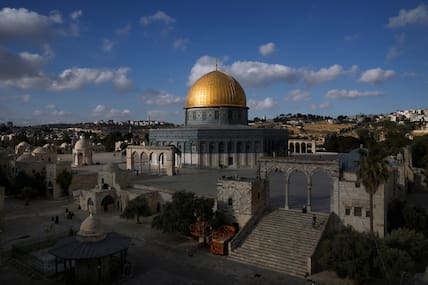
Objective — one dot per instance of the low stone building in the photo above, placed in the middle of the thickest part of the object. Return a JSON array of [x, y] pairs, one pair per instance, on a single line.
[[241, 198]]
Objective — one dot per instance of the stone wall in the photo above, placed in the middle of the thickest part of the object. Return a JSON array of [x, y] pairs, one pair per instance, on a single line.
[[241, 198], [2, 193], [83, 181]]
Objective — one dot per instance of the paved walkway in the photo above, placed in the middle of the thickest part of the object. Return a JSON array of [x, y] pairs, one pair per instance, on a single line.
[[156, 258]]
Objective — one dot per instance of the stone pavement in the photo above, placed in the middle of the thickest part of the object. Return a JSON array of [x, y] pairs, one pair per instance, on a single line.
[[156, 258]]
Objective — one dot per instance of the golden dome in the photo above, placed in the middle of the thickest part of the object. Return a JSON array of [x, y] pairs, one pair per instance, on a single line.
[[216, 89]]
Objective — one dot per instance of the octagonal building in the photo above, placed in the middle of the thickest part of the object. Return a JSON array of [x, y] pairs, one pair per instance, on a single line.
[[216, 132]]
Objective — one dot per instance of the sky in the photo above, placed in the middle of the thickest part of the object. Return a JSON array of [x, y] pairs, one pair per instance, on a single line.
[[84, 61]]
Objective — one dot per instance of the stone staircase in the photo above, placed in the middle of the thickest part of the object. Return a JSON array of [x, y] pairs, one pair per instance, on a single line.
[[282, 241]]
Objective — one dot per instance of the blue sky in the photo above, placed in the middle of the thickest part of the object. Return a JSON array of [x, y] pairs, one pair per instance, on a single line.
[[74, 61]]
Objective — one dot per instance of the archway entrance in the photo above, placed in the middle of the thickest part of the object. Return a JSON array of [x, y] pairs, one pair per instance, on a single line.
[[321, 191], [276, 189], [297, 190], [107, 203]]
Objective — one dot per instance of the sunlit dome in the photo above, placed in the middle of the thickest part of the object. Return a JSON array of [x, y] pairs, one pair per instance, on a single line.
[[91, 230], [40, 150], [216, 89], [82, 144]]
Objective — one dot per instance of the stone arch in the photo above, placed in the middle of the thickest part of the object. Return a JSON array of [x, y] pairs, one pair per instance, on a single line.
[[292, 148], [107, 203], [297, 148], [144, 162], [303, 147], [297, 181], [321, 179], [90, 204], [134, 159]]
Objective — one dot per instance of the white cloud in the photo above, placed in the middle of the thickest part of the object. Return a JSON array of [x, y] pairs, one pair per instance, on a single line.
[[121, 82], [324, 74], [180, 43], [69, 79], [99, 109], [24, 24], [75, 15], [323, 105], [160, 97], [60, 113], [267, 49], [264, 104], [161, 115], [260, 74], [25, 98], [124, 31], [104, 112], [254, 73], [202, 66], [418, 15], [400, 38], [75, 25], [392, 53], [75, 78], [350, 38], [351, 94], [18, 65], [37, 113], [50, 106], [376, 75], [107, 45], [159, 16], [298, 95], [55, 16]]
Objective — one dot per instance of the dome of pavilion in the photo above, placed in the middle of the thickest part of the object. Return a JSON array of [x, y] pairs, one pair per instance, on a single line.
[[82, 144], [91, 230], [40, 150], [216, 89]]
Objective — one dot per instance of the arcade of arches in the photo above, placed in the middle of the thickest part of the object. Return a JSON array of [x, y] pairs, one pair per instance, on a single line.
[[301, 146], [149, 159], [310, 167]]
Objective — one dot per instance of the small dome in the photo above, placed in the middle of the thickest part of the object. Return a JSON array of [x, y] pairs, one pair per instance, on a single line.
[[64, 145], [26, 157], [110, 167], [216, 89], [47, 145], [23, 145], [40, 150], [91, 230], [82, 144]]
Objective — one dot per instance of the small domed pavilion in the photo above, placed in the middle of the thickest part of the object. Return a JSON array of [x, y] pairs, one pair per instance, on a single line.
[[91, 255], [82, 152]]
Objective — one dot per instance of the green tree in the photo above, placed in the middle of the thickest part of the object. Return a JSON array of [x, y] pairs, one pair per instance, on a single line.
[[412, 242], [420, 151], [416, 218], [392, 263], [349, 253], [395, 215], [64, 179], [184, 210], [136, 208], [372, 172]]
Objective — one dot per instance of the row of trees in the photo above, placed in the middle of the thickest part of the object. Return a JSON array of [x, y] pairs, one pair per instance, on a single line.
[[177, 215], [32, 186], [362, 256], [184, 209]]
